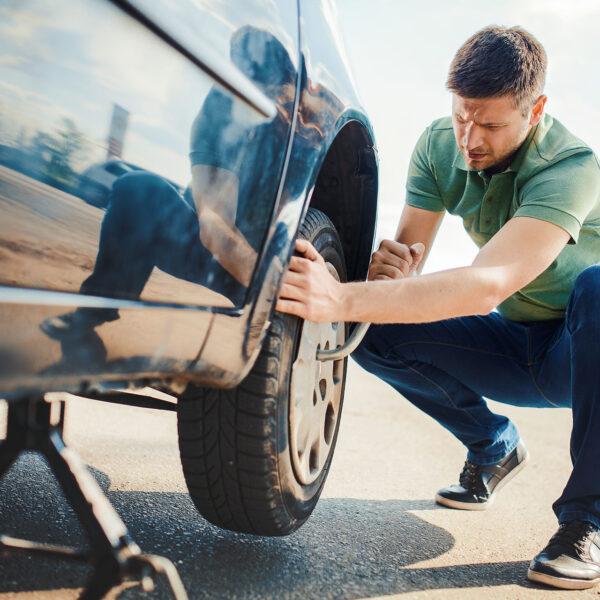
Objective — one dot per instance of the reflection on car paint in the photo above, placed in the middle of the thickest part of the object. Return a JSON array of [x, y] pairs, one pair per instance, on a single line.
[[168, 227], [214, 242], [127, 174], [146, 121]]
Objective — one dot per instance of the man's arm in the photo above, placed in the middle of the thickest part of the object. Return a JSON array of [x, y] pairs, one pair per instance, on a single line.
[[516, 255], [215, 193], [419, 225]]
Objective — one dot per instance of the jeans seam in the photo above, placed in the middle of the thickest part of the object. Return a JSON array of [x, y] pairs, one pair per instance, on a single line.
[[530, 364], [441, 389], [539, 389], [390, 349]]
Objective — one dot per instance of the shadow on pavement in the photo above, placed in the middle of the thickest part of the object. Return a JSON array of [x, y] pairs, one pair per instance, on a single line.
[[349, 548]]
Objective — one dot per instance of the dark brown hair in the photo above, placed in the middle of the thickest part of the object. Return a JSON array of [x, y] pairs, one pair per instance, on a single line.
[[499, 61]]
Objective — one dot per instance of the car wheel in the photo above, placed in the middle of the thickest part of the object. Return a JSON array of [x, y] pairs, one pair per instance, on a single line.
[[255, 458]]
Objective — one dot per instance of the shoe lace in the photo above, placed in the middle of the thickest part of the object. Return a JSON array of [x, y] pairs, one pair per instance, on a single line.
[[469, 477], [574, 533]]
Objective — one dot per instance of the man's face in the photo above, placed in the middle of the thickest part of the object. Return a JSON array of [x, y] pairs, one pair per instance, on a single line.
[[489, 131]]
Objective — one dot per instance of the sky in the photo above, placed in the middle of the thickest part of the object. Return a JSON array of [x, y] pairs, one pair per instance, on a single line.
[[401, 51]]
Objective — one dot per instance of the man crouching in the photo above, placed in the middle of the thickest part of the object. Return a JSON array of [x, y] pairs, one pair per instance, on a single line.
[[521, 325]]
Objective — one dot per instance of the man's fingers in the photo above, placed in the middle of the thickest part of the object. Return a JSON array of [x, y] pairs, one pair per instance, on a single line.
[[291, 307], [292, 291], [395, 264], [394, 248], [381, 277], [296, 285], [388, 271], [294, 278], [382, 256], [394, 254], [417, 250], [394, 260], [307, 250], [302, 246], [299, 264], [309, 290]]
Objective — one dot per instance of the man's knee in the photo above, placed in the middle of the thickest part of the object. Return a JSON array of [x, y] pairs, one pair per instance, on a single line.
[[587, 285], [588, 281], [585, 296], [142, 190]]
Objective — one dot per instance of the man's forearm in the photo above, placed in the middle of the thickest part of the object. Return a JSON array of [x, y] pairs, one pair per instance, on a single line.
[[227, 245], [442, 295]]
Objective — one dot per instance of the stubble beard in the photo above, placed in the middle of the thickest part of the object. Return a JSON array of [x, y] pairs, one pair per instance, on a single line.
[[496, 165]]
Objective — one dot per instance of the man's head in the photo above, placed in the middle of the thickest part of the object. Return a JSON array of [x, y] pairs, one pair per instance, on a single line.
[[496, 79]]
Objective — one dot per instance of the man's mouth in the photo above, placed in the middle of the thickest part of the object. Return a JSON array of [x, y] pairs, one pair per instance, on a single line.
[[476, 155]]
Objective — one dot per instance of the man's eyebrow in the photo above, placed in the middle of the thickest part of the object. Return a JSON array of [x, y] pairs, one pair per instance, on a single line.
[[492, 124], [481, 123]]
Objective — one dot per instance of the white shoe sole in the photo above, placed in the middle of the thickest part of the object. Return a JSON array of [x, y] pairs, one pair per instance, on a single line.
[[482, 505], [562, 582]]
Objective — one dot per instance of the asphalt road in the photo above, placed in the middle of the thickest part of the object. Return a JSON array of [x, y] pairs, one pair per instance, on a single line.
[[376, 533]]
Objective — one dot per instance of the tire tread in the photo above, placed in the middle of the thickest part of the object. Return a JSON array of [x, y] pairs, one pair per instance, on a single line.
[[228, 438]]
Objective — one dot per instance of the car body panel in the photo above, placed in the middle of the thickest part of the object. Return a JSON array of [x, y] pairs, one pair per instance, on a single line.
[[148, 61], [64, 137]]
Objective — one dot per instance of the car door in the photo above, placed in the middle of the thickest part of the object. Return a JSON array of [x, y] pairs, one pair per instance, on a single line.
[[141, 148]]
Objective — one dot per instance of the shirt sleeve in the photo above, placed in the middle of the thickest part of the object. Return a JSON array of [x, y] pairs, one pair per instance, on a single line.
[[421, 187], [563, 194]]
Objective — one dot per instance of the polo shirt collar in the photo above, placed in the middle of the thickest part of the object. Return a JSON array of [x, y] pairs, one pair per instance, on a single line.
[[459, 161], [519, 157]]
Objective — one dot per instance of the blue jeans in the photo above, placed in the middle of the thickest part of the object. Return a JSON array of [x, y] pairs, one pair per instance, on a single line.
[[148, 224], [445, 368]]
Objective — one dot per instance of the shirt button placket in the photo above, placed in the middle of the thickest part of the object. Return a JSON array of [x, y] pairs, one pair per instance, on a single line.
[[487, 208]]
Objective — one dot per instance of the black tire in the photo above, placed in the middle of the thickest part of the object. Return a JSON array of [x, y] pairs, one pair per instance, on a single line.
[[235, 445]]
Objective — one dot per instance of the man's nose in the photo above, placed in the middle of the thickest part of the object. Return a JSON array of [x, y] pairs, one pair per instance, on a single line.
[[471, 137]]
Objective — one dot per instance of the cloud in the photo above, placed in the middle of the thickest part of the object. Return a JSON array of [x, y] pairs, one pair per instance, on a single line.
[[13, 61], [21, 25]]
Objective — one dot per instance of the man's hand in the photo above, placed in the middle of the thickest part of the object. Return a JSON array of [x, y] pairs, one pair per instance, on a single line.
[[309, 290], [394, 260]]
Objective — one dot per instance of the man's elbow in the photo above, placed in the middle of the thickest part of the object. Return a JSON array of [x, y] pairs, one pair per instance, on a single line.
[[490, 295], [485, 307]]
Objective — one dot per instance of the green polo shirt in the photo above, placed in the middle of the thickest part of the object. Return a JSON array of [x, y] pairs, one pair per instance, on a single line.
[[554, 177]]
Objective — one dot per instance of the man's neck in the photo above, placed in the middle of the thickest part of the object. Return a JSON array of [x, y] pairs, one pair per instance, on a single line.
[[502, 166]]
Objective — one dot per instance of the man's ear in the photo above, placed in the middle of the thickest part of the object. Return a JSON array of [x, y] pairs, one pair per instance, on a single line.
[[538, 110]]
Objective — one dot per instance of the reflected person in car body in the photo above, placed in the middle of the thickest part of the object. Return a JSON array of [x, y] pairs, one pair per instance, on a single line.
[[529, 195], [211, 234]]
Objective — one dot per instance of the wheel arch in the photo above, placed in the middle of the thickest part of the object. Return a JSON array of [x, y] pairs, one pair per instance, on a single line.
[[345, 189]]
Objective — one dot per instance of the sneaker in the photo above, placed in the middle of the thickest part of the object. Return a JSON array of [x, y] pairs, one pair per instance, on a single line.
[[571, 560], [479, 483]]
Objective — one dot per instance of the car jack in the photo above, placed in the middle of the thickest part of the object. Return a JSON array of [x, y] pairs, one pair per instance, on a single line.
[[35, 424]]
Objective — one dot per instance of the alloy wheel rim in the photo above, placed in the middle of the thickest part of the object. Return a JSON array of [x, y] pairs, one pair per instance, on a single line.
[[315, 397]]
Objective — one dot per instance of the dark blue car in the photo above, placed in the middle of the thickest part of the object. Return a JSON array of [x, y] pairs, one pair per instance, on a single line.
[[242, 120]]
